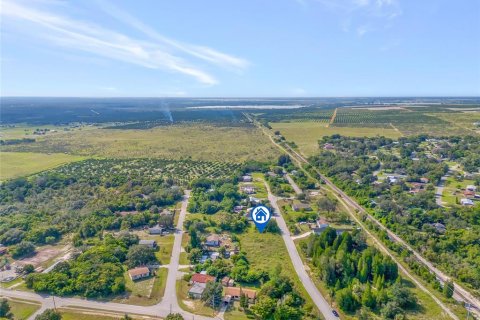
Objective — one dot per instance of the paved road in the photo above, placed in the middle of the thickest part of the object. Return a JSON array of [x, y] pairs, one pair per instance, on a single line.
[[168, 304], [295, 187], [439, 191], [307, 282], [460, 293]]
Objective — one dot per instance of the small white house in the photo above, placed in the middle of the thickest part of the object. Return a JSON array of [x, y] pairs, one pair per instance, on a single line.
[[148, 243], [466, 202], [247, 178], [471, 188]]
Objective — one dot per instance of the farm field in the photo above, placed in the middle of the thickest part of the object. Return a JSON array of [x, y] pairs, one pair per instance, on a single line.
[[462, 120], [307, 134], [199, 142], [16, 164]]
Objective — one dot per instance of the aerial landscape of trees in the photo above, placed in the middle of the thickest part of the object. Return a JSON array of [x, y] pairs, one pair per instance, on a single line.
[[354, 166]]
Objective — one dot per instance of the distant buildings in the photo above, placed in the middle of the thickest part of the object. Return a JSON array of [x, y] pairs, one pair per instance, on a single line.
[[328, 146]]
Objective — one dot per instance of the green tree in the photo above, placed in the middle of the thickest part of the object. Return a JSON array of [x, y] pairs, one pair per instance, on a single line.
[[24, 248], [49, 314], [213, 294], [174, 316], [5, 309], [195, 255], [272, 227], [368, 299], [28, 268], [264, 307], [286, 312], [346, 301], [139, 255], [448, 288], [327, 204], [243, 300], [194, 239]]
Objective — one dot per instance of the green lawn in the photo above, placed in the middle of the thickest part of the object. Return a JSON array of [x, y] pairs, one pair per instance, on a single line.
[[17, 164], [144, 292], [260, 190], [23, 309], [306, 134], [166, 246]]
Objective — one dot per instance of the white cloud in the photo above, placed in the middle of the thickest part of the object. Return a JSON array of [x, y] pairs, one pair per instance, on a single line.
[[92, 38], [201, 52]]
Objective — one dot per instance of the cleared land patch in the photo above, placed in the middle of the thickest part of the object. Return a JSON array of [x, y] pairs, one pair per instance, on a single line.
[[17, 164], [307, 134], [200, 142]]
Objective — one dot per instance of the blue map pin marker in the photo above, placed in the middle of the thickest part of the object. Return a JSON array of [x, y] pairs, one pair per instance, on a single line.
[[260, 215]]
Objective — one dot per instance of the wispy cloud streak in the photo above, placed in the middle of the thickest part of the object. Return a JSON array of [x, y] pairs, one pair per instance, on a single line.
[[92, 38], [201, 52]]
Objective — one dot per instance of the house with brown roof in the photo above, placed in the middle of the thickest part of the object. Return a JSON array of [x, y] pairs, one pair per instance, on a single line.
[[236, 292], [201, 278], [138, 273]]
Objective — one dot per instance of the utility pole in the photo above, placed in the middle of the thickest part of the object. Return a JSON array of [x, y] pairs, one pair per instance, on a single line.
[[54, 305]]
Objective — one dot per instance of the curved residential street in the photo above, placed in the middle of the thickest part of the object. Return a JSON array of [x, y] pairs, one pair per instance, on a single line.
[[307, 282]]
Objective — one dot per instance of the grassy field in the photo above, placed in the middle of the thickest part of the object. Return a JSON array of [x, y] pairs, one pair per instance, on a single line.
[[204, 142], [265, 251], [307, 134], [22, 309], [16, 164], [69, 314]]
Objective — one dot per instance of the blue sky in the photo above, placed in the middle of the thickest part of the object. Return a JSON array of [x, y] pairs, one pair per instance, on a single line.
[[245, 48]]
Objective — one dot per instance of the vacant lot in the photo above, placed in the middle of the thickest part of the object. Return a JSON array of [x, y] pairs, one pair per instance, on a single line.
[[204, 142], [17, 164], [22, 310], [307, 134]]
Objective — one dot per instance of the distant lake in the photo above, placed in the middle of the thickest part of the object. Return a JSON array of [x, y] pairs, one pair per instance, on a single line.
[[251, 107]]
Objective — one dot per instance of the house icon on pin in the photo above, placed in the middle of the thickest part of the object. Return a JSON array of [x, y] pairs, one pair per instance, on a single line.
[[261, 216]]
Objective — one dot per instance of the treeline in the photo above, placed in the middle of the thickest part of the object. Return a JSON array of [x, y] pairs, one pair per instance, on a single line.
[[10, 142], [358, 276]]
